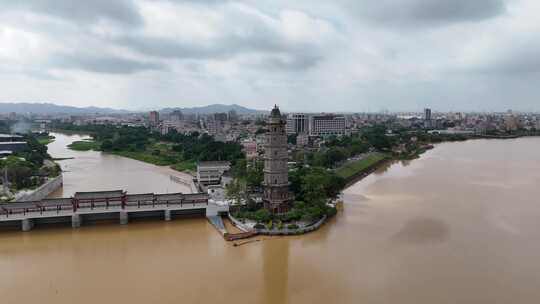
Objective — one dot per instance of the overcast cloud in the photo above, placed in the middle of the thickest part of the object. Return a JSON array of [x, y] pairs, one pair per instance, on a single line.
[[342, 55]]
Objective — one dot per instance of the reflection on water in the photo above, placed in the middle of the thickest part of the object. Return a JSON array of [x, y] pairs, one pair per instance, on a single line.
[[275, 257], [459, 225], [423, 230]]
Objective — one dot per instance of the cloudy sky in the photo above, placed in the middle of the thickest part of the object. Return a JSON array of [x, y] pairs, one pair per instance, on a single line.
[[305, 55]]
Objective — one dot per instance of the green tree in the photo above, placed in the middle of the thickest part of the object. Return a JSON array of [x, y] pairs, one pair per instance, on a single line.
[[236, 190]]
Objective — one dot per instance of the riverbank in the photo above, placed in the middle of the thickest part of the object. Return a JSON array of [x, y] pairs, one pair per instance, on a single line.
[[156, 155], [50, 186], [84, 145], [357, 171], [291, 229], [353, 168], [45, 140]]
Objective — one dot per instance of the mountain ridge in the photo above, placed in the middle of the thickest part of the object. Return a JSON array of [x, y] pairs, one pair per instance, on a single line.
[[214, 108], [51, 108]]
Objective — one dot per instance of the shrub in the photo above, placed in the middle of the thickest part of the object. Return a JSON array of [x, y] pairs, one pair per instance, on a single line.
[[258, 226], [292, 227], [262, 215], [294, 215], [280, 225], [269, 225], [331, 211]]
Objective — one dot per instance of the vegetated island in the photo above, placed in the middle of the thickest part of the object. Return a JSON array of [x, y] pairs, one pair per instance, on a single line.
[[179, 151]]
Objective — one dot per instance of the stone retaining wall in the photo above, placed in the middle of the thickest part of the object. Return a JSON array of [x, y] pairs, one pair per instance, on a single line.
[[284, 231], [186, 181], [43, 191]]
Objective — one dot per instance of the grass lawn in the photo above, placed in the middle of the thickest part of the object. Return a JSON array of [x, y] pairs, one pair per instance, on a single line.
[[159, 160], [185, 166], [352, 168], [146, 157], [85, 145]]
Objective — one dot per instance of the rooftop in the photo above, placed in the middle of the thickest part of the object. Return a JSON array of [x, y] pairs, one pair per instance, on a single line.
[[275, 112], [213, 163], [10, 136], [12, 142], [99, 194]]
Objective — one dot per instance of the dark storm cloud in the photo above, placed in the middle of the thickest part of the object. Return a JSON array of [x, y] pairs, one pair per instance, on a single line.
[[103, 64], [411, 13], [80, 11]]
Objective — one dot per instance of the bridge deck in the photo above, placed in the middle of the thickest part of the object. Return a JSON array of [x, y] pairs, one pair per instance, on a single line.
[[102, 202]]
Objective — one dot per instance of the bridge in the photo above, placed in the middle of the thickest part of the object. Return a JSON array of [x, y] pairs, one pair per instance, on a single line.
[[105, 205]]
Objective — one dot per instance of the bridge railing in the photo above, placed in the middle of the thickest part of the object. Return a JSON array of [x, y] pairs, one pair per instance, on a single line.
[[103, 203]]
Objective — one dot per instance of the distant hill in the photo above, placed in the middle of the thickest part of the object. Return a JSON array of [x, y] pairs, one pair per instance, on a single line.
[[215, 108], [50, 108]]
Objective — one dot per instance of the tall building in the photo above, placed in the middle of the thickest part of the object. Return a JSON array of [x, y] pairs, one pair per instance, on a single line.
[[427, 114], [327, 124], [233, 116], [177, 115], [428, 122], [297, 123], [154, 118], [276, 176], [220, 117]]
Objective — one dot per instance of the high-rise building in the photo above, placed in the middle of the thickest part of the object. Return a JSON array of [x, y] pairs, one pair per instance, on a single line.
[[233, 116], [297, 123], [427, 114], [220, 117], [428, 124], [214, 127], [327, 124], [154, 118], [177, 115], [276, 178]]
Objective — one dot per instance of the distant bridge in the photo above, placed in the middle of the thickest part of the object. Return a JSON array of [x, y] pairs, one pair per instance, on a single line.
[[105, 205]]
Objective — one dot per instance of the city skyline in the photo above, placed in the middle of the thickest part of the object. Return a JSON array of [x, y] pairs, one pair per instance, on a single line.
[[49, 108], [352, 55]]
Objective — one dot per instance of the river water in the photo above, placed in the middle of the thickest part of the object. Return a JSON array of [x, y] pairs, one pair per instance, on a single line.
[[93, 171], [459, 225]]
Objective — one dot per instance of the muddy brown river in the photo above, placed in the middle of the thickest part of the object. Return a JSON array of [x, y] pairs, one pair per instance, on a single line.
[[459, 225], [91, 171]]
